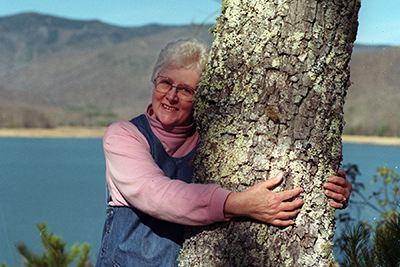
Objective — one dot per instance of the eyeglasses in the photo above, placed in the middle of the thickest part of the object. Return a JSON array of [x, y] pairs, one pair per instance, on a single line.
[[183, 91]]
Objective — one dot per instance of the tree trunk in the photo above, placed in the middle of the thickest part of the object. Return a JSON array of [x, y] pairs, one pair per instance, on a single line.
[[271, 101]]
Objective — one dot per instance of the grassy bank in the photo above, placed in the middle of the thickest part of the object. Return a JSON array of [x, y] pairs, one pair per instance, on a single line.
[[98, 132], [375, 140], [60, 132]]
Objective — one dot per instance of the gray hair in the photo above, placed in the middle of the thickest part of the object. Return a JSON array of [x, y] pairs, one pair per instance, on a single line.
[[188, 54]]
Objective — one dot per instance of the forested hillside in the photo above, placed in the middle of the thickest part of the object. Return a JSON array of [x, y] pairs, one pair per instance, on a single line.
[[55, 71]]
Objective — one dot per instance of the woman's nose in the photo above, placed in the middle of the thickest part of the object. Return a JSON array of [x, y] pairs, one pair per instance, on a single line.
[[172, 94]]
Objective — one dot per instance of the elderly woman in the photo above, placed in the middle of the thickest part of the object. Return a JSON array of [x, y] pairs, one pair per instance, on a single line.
[[151, 196]]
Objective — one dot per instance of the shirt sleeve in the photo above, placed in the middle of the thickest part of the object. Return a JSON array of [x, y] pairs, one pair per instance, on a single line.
[[135, 180]]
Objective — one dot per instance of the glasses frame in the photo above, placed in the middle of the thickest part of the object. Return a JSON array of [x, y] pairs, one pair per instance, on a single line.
[[178, 88]]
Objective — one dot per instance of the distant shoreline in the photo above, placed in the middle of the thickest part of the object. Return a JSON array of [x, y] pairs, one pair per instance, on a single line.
[[59, 132], [98, 132], [373, 140]]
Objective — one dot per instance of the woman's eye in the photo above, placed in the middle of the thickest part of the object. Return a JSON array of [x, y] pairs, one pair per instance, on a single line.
[[186, 90], [166, 82]]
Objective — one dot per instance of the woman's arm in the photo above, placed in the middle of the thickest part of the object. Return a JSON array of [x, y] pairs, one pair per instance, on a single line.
[[261, 204], [135, 180]]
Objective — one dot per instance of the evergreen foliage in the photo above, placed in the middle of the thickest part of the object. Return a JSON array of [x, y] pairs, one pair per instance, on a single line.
[[387, 242], [357, 248], [55, 254], [365, 245]]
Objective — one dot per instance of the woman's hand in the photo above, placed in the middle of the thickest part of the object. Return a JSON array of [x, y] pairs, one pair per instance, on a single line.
[[338, 188], [261, 204]]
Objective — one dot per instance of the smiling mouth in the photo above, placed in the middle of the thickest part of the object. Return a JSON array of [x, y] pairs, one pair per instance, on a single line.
[[169, 108]]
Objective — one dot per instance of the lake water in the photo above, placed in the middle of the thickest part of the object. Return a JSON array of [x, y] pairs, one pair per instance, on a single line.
[[61, 182]]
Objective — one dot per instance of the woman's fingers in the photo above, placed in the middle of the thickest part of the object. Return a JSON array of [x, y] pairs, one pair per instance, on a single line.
[[282, 208], [291, 205], [335, 192], [260, 203], [285, 218], [337, 205], [342, 173], [290, 194], [338, 188], [274, 181], [285, 195]]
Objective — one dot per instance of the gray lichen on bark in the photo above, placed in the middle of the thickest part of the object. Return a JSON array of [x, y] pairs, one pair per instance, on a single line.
[[271, 101]]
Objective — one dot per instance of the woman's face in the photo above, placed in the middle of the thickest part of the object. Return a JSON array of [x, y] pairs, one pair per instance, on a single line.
[[167, 107]]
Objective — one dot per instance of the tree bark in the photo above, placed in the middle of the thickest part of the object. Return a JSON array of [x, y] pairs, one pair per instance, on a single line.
[[271, 101]]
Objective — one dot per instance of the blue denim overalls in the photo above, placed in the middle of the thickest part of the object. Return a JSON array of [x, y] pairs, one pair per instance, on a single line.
[[133, 238]]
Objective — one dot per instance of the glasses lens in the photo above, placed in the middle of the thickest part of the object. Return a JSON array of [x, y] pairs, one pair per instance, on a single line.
[[185, 92], [164, 84]]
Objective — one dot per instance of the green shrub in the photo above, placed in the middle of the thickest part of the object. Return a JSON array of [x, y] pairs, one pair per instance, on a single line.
[[365, 245], [55, 253]]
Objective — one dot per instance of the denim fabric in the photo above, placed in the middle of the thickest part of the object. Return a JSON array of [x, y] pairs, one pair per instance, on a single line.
[[133, 238]]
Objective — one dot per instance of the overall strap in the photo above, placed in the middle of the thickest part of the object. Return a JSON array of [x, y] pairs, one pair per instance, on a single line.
[[174, 168]]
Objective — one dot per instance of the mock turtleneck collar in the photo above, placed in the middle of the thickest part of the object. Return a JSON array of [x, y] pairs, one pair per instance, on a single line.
[[178, 131], [177, 140]]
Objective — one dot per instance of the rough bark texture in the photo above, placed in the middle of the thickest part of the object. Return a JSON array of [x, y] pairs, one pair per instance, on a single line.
[[271, 101]]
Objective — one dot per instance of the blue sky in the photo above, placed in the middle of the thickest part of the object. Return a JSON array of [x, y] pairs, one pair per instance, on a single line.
[[379, 19]]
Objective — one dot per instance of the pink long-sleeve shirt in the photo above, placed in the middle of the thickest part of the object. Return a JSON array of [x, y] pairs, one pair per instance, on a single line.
[[135, 180]]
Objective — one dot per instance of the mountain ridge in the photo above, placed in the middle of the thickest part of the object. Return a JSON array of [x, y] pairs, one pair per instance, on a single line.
[[61, 72]]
